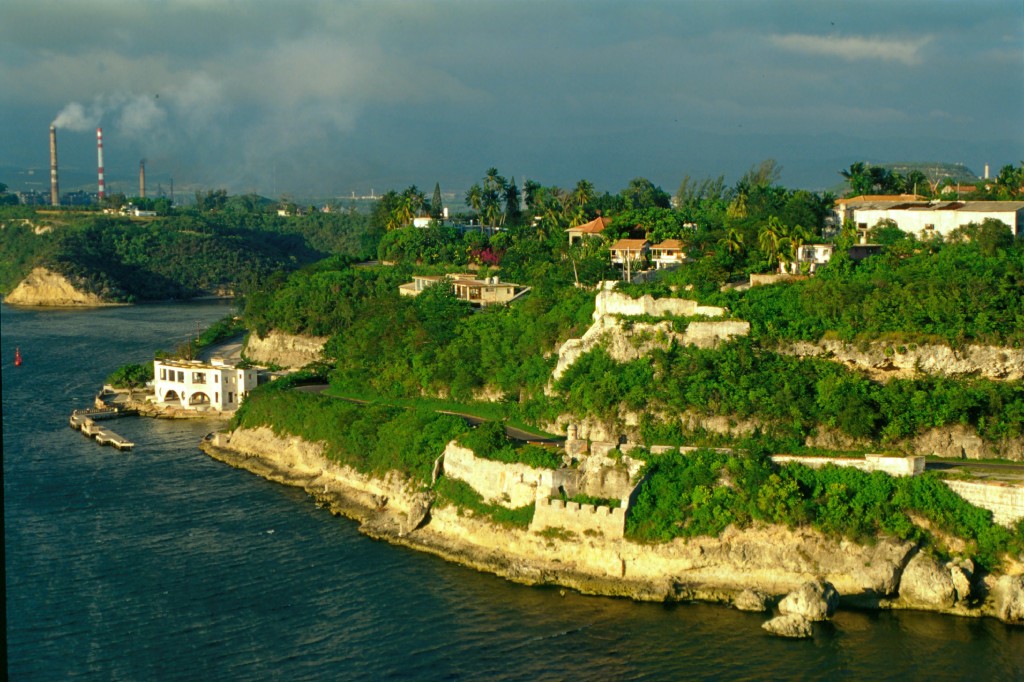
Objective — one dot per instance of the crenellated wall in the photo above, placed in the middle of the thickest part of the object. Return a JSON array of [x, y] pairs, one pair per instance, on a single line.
[[1006, 502], [582, 519]]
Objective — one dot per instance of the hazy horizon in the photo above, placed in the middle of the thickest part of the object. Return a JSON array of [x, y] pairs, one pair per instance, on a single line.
[[320, 99]]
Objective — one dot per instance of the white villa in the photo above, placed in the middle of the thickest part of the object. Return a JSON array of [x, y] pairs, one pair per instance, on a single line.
[[928, 218], [668, 254], [195, 385], [491, 291]]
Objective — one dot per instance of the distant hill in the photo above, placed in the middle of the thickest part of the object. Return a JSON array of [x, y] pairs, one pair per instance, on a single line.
[[934, 170]]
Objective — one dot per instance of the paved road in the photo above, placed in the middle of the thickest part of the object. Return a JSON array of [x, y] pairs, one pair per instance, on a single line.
[[511, 431], [230, 350]]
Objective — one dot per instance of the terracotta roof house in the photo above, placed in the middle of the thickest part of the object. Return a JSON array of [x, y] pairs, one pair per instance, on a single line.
[[594, 228], [668, 253], [631, 249]]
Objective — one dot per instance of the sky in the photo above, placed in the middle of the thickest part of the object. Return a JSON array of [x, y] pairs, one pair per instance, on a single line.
[[317, 99]]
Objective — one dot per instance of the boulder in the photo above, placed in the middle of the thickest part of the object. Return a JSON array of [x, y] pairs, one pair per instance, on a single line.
[[926, 584], [961, 571], [751, 600], [418, 511], [1009, 599], [815, 600], [790, 625]]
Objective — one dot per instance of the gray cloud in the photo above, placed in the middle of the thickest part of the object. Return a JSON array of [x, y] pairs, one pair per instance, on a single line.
[[316, 96]]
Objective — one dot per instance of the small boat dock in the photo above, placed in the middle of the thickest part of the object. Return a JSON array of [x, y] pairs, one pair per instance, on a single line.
[[85, 421]]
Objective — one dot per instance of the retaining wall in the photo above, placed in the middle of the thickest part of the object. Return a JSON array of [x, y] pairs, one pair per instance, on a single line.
[[894, 466], [511, 485], [1006, 502]]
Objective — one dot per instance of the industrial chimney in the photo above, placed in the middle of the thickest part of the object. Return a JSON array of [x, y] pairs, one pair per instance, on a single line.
[[142, 179], [99, 161], [986, 171], [54, 190]]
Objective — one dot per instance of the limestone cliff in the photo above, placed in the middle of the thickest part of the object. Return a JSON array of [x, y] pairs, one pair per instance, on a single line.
[[44, 287], [627, 340], [770, 559], [884, 360], [284, 350]]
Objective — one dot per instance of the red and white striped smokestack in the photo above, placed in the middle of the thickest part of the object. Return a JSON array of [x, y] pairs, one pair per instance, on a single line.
[[54, 190], [99, 161]]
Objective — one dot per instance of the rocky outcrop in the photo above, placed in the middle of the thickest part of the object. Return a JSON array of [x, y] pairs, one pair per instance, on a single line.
[[884, 360], [751, 600], [44, 287], [1009, 599], [926, 584], [815, 600], [962, 442], [627, 340], [284, 350], [792, 626]]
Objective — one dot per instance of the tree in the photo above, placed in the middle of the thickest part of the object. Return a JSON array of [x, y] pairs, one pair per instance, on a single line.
[[474, 197], [513, 214], [858, 177], [642, 193], [770, 239], [436, 205]]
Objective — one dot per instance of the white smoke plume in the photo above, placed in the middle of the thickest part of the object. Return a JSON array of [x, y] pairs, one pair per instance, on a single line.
[[75, 117]]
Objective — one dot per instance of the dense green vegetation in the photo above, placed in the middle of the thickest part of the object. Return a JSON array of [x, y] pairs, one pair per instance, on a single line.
[[461, 495], [181, 255], [372, 439], [790, 397], [704, 492], [490, 441], [130, 376]]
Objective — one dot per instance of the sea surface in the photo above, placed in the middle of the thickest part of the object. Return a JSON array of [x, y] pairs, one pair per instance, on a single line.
[[163, 564]]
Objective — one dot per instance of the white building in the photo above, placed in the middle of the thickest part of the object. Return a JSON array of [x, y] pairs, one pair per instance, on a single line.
[[195, 385], [928, 218]]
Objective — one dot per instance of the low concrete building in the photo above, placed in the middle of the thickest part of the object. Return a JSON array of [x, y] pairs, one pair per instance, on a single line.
[[491, 291], [195, 385], [929, 218]]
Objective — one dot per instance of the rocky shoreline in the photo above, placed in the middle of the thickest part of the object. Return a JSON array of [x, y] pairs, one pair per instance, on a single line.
[[765, 564]]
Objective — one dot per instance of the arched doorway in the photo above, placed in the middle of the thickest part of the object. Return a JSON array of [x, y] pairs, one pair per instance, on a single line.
[[171, 397], [198, 398]]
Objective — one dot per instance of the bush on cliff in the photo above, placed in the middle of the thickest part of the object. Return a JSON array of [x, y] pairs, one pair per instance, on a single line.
[[705, 492], [490, 440], [462, 495], [370, 438]]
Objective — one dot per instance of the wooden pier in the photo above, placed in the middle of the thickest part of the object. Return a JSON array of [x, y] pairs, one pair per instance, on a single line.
[[85, 421]]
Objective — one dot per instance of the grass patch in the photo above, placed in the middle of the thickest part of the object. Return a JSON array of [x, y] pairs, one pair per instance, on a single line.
[[461, 495]]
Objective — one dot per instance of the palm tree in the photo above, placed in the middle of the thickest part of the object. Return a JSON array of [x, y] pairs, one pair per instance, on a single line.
[[769, 239], [732, 241], [474, 197], [583, 194]]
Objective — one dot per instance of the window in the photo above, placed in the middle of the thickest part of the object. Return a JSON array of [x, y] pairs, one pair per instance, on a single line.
[[181, 377], [198, 377], [163, 373]]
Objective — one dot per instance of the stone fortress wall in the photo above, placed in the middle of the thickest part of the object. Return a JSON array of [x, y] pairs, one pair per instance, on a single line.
[[582, 519], [1006, 502]]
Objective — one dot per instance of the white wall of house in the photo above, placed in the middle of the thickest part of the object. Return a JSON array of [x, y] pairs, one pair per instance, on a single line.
[[194, 385], [929, 221]]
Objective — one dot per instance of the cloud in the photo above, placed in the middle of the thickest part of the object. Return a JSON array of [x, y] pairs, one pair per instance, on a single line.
[[855, 48]]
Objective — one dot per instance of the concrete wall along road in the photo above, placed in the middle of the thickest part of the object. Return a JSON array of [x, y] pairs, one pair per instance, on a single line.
[[1006, 502]]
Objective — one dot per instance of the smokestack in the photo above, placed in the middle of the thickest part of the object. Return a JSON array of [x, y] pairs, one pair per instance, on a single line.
[[142, 179], [99, 161], [54, 189], [986, 171]]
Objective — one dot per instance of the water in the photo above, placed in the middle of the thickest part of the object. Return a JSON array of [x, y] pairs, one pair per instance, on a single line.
[[162, 564]]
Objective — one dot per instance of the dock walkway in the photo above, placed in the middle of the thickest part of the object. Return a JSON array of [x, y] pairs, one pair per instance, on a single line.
[[85, 421]]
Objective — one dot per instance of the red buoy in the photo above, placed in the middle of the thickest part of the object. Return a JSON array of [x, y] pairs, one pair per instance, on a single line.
[[17, 357]]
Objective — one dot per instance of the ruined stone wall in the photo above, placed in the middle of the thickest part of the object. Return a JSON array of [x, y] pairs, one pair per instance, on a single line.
[[582, 519], [610, 302], [1006, 502], [710, 334], [510, 485]]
